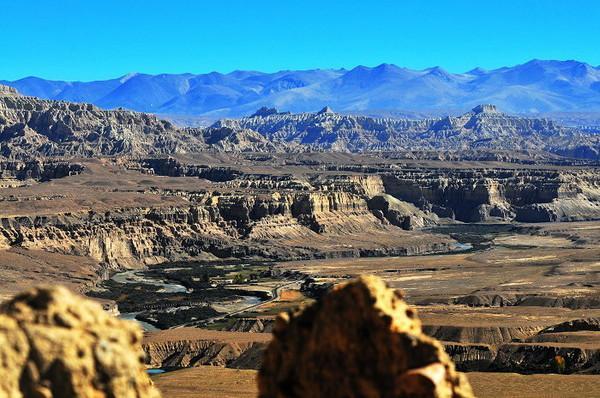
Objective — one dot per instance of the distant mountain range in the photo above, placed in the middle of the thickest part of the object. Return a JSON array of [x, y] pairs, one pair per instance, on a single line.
[[33, 128], [534, 87]]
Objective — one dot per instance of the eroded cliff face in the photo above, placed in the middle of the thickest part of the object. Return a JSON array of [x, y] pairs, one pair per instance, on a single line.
[[332, 212], [521, 195], [292, 216], [274, 226], [32, 128], [18, 173], [38, 170], [8, 91], [181, 353], [411, 197]]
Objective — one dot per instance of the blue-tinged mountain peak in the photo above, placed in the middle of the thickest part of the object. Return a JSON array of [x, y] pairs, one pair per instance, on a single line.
[[485, 109], [387, 68], [438, 71], [326, 110], [537, 85], [477, 71], [128, 76]]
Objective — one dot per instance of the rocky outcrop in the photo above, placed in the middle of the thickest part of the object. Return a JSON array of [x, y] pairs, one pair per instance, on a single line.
[[172, 168], [490, 335], [542, 358], [576, 325], [471, 357], [35, 127], [226, 139], [537, 300], [359, 340], [523, 349], [56, 344], [223, 225], [486, 300], [401, 214], [252, 325], [413, 197], [31, 127], [7, 91], [187, 354], [265, 111], [38, 170], [190, 347], [485, 108], [320, 211]]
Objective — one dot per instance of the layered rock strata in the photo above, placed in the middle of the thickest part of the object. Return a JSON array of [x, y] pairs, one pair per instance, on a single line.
[[189, 347], [480, 195], [38, 170], [222, 225], [413, 197], [34, 127], [30, 127]]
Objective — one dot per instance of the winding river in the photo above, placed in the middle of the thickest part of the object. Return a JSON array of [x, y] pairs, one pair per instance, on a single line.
[[466, 241], [139, 276]]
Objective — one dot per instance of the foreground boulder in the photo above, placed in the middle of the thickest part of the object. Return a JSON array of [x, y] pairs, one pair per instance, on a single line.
[[54, 343], [360, 340]]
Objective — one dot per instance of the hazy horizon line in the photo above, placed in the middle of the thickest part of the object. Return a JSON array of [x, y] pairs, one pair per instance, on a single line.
[[347, 69]]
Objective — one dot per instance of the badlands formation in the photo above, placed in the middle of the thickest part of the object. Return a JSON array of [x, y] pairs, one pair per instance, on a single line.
[[204, 235], [31, 127]]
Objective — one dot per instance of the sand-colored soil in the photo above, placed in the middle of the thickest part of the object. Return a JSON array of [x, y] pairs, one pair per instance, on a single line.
[[510, 385], [207, 381], [194, 334], [565, 270], [225, 383], [21, 269]]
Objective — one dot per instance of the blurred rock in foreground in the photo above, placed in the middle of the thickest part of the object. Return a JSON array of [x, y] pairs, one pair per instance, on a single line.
[[54, 343], [360, 340]]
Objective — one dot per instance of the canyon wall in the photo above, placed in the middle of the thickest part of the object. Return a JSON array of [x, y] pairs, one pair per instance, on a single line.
[[277, 226], [294, 216], [520, 195]]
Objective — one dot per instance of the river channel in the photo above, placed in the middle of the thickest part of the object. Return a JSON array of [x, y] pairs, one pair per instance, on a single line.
[[181, 292]]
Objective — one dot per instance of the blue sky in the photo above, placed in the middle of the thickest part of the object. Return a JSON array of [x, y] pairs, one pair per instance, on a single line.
[[93, 39]]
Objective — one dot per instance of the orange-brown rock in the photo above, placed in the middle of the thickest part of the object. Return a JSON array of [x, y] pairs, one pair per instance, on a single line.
[[360, 340], [54, 343]]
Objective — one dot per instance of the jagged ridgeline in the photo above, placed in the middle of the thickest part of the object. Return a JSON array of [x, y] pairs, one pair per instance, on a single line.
[[483, 128], [34, 127]]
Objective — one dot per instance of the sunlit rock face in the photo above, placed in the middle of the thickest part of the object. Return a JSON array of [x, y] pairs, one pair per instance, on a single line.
[[55, 344]]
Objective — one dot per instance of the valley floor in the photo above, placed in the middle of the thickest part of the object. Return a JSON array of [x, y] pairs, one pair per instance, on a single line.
[[218, 382]]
